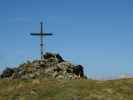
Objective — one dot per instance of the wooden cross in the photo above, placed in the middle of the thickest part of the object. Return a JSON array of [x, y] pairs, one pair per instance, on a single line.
[[41, 34]]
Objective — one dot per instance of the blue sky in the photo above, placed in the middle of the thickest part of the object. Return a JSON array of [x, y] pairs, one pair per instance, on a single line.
[[95, 33]]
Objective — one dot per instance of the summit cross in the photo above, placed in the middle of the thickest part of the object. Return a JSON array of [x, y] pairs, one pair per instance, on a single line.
[[41, 35]]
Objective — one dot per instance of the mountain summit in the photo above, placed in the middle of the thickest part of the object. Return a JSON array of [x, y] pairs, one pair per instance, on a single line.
[[53, 66]]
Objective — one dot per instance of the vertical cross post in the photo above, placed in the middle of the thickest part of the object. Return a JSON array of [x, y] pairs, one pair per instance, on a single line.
[[41, 34], [41, 40]]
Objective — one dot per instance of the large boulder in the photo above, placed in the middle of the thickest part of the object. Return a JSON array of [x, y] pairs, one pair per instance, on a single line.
[[53, 56], [8, 72], [78, 70]]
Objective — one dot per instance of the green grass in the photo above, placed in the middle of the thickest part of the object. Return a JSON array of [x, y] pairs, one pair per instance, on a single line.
[[66, 90]]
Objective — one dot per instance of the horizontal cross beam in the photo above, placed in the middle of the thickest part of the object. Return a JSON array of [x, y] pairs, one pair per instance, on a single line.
[[40, 34]]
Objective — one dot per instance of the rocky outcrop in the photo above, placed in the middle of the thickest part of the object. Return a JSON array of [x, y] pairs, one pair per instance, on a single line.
[[53, 66]]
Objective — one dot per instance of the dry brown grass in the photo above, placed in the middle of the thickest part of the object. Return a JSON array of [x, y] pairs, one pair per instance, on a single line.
[[66, 90]]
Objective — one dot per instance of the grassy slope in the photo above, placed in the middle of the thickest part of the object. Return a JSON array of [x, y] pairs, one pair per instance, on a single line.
[[66, 90]]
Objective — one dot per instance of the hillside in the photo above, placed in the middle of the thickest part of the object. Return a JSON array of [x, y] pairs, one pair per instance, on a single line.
[[40, 89], [54, 78]]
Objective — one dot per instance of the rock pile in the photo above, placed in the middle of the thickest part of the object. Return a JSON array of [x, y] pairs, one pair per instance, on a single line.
[[53, 66]]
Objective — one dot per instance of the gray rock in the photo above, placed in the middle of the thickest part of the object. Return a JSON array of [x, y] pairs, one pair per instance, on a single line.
[[60, 77]]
